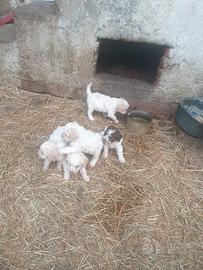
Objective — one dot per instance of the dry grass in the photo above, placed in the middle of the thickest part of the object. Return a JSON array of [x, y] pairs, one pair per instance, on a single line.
[[145, 214]]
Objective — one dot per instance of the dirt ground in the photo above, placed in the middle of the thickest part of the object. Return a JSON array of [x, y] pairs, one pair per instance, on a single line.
[[145, 214]]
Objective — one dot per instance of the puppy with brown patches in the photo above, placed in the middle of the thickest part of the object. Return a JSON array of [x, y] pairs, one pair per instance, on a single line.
[[112, 139]]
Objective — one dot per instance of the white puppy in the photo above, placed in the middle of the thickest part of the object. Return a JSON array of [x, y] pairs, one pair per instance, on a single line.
[[112, 139], [50, 152], [82, 140], [75, 162], [57, 134], [105, 104]]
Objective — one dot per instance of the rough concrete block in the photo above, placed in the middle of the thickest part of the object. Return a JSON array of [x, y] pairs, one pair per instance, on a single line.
[[5, 7], [8, 33], [39, 9], [58, 50]]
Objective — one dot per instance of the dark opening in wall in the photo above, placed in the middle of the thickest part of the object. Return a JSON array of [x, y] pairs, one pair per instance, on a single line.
[[139, 60]]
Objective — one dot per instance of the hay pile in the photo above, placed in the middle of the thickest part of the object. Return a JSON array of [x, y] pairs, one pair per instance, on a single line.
[[145, 214]]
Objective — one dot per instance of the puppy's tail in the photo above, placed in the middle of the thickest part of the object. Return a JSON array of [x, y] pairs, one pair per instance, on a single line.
[[88, 90]]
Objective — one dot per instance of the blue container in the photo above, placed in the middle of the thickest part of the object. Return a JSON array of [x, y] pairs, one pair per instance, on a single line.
[[189, 116]]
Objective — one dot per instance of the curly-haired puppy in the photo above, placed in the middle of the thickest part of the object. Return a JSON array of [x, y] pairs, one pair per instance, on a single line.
[[83, 140], [105, 104], [75, 162], [112, 139], [50, 152]]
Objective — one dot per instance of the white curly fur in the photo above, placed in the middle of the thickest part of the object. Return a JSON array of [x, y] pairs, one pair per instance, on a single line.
[[50, 152], [57, 134], [105, 104], [82, 140], [75, 162]]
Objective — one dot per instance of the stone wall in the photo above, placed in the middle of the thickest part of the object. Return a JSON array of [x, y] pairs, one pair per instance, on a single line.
[[56, 46], [177, 23], [5, 7]]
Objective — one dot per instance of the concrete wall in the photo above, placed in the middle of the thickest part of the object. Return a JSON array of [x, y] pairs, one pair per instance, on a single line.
[[5, 7], [56, 48], [177, 23], [17, 3]]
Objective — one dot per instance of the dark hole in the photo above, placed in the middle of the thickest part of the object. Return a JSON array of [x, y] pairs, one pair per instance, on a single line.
[[130, 59]]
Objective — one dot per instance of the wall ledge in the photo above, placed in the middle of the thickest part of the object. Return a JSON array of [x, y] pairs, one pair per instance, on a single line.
[[38, 10]]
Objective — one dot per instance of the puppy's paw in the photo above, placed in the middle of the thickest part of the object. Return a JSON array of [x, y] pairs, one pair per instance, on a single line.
[[67, 177], [86, 179], [91, 118], [105, 155], [122, 160], [92, 163]]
